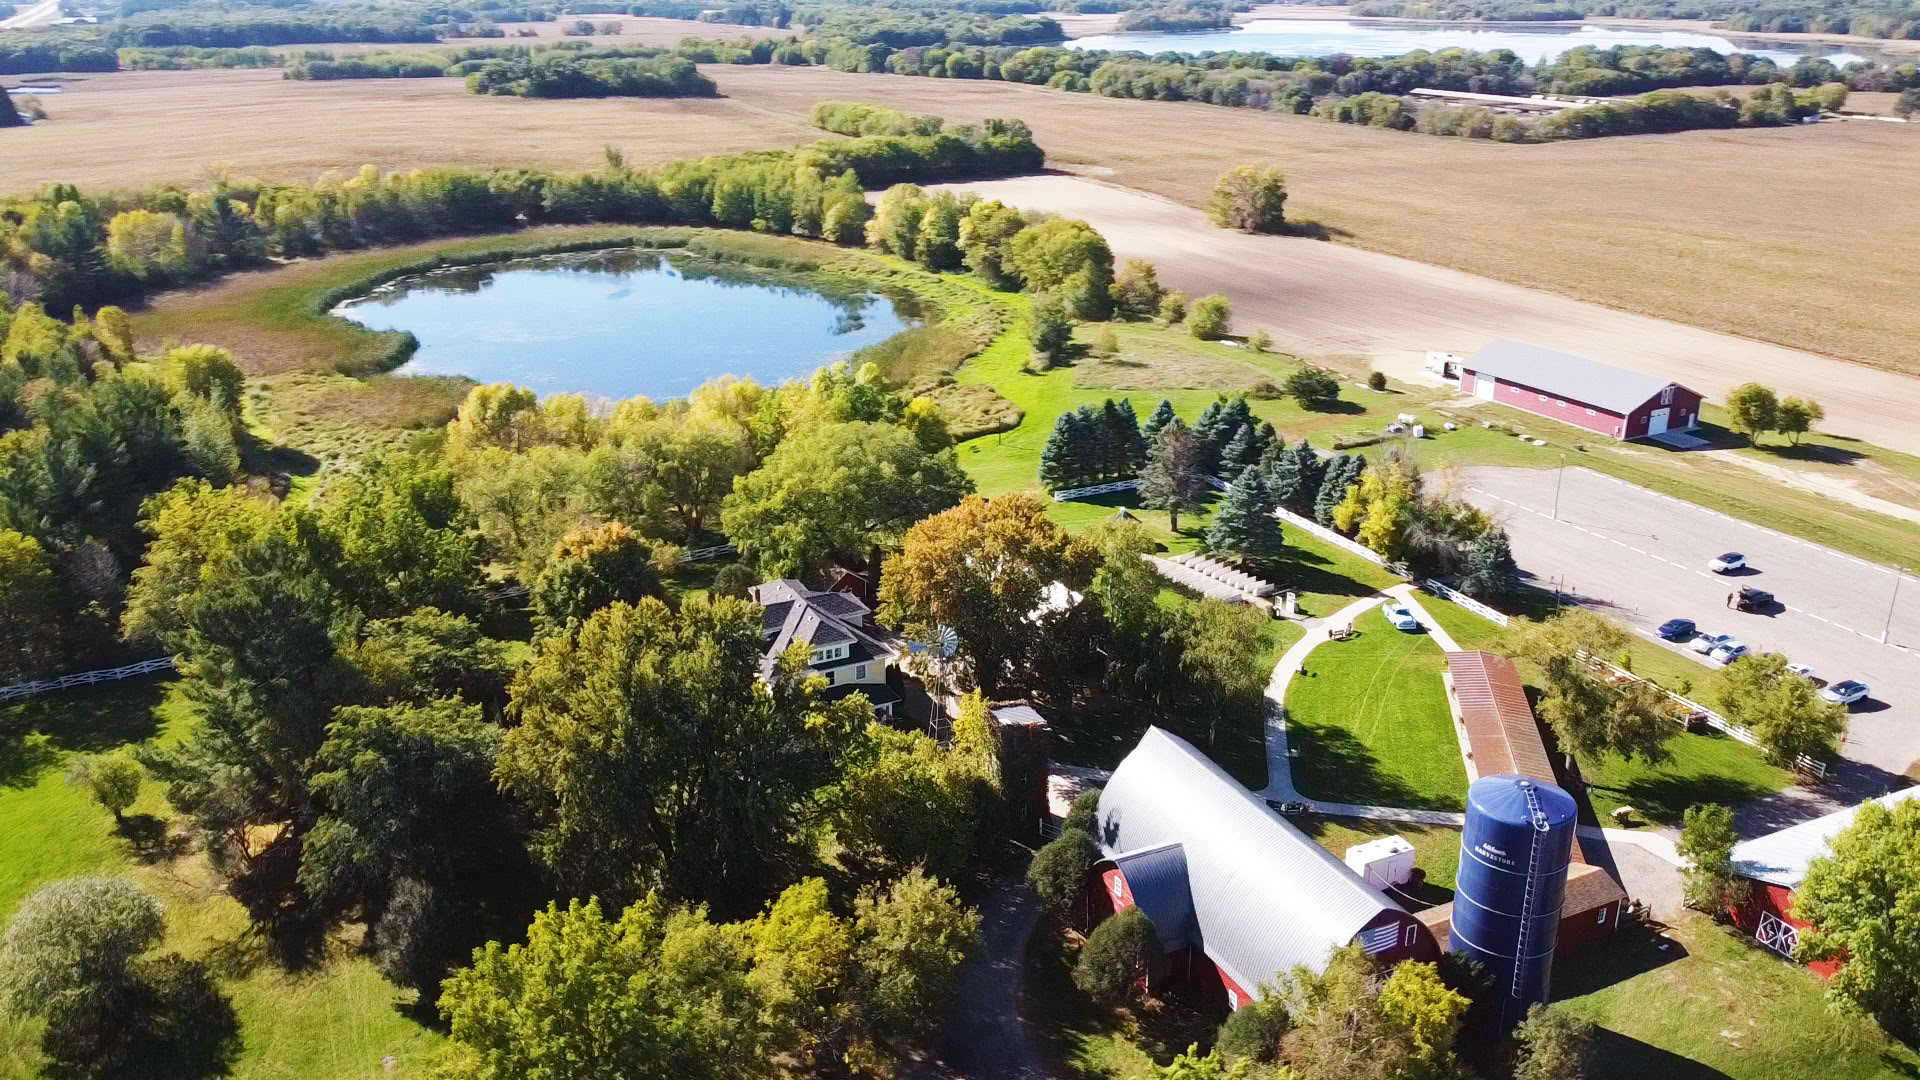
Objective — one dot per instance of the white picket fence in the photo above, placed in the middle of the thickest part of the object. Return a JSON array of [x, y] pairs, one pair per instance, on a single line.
[[717, 551], [1714, 720], [1441, 589], [1069, 494], [1314, 528], [20, 691]]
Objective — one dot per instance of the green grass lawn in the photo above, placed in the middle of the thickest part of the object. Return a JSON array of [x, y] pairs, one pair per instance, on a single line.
[[1436, 848], [1705, 768], [333, 1023], [1370, 719], [1713, 1006]]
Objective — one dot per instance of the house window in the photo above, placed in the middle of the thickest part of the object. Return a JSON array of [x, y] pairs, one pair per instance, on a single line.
[[1589, 412], [860, 672], [832, 677], [1542, 397], [1777, 934], [1602, 920], [1666, 396], [1412, 934]]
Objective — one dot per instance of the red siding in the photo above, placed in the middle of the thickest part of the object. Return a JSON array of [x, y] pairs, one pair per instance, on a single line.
[[1777, 900], [1588, 927], [1684, 408]]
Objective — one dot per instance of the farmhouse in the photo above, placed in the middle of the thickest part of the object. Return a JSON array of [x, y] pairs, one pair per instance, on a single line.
[[1237, 895], [1776, 864], [1503, 738], [855, 653], [1574, 390]]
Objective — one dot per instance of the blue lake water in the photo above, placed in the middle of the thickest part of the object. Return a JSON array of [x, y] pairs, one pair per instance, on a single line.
[[1331, 37], [625, 323]]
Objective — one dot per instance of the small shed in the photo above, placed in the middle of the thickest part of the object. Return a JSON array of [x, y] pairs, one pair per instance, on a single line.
[[1776, 864], [1574, 390]]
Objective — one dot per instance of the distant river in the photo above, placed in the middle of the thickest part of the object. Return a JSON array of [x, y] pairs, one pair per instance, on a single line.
[[1332, 37], [616, 324]]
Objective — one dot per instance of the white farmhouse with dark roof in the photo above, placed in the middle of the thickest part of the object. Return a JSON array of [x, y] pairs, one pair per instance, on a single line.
[[846, 645], [1574, 390]]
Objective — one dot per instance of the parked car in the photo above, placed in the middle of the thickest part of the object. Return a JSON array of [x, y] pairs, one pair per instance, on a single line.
[[1805, 671], [1401, 617], [1706, 642], [1677, 629], [1845, 692], [1729, 650], [1728, 563], [1290, 809], [1751, 599]]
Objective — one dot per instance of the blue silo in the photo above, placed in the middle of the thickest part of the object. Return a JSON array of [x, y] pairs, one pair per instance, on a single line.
[[1513, 875]]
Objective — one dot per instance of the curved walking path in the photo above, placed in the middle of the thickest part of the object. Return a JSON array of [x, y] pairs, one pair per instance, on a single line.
[[1279, 765], [987, 1036]]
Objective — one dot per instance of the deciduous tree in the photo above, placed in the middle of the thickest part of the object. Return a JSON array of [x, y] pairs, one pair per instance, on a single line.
[[1552, 1044], [1209, 317], [980, 569], [1863, 901], [1066, 256], [651, 754], [1136, 289], [1707, 837], [990, 225], [1797, 416], [1752, 410], [32, 617], [1250, 200], [591, 568], [1591, 716], [1121, 952], [1782, 710], [838, 488], [1058, 871], [112, 779]]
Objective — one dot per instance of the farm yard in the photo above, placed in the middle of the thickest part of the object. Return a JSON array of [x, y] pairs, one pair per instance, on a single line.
[[1687, 227]]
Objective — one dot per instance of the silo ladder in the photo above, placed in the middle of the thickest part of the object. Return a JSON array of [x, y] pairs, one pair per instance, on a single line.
[[1524, 945]]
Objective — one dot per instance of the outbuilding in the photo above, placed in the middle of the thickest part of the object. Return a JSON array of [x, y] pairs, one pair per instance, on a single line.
[[1574, 390], [1503, 737], [1776, 864], [1235, 893]]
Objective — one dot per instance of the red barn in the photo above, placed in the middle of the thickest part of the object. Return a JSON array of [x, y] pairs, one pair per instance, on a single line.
[[1574, 390], [1233, 890], [1776, 864]]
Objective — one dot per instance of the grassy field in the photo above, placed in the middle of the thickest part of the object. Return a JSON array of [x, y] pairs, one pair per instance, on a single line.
[[336, 1022], [1436, 848], [1692, 226], [1370, 719], [1703, 1003], [1707, 767]]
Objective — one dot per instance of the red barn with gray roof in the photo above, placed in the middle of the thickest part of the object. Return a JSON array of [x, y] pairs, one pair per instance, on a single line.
[[1230, 886], [1574, 390]]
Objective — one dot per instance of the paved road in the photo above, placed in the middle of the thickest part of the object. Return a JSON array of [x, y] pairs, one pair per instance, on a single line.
[[986, 1036], [1318, 299], [1642, 557], [46, 12]]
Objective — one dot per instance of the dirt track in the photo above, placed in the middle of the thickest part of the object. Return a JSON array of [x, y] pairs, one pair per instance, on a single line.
[[1321, 299]]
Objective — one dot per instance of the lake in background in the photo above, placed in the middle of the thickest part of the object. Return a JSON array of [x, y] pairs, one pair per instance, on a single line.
[[617, 324], [1333, 37]]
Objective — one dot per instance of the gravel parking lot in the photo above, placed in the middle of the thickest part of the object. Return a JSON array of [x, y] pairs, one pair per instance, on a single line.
[[1642, 557]]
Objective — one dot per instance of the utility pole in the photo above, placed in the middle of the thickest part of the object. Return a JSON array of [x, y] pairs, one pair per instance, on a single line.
[[1898, 573], [1558, 475]]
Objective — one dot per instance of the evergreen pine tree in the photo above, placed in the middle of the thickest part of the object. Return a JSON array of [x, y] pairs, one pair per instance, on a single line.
[[1173, 480], [1342, 473], [1130, 446], [1090, 447], [1203, 428], [1056, 457], [1295, 477], [1163, 415], [1245, 521], [1491, 571], [1242, 452]]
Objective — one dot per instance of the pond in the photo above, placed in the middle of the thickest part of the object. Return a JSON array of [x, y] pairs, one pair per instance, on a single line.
[[616, 324], [1331, 37]]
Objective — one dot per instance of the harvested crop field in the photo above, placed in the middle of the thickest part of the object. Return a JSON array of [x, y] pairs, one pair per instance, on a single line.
[[1715, 229]]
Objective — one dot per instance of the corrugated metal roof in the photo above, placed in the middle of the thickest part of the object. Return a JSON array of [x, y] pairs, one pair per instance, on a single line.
[[1157, 878], [1500, 725], [1266, 898], [1781, 858], [1575, 378], [1589, 889]]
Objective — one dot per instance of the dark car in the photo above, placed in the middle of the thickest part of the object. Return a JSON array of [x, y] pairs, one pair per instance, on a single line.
[[1291, 809], [1677, 629], [1749, 599]]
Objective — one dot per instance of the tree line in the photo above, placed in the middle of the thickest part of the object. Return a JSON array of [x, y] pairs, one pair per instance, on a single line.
[[66, 248], [554, 76]]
